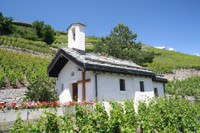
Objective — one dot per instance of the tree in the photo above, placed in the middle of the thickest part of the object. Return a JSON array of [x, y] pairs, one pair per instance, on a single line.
[[48, 34], [120, 43], [38, 26], [41, 90], [6, 26], [44, 32]]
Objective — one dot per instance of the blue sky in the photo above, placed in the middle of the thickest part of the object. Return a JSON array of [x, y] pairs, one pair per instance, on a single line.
[[167, 23]]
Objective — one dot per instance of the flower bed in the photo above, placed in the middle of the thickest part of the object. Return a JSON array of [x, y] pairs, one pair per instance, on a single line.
[[35, 105]]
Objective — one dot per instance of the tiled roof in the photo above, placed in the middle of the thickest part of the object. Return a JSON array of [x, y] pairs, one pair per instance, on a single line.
[[95, 59], [95, 62]]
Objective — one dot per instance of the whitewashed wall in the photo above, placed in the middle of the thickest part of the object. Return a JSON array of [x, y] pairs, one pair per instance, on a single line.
[[67, 80], [109, 87], [160, 88], [90, 88], [148, 85], [148, 88]]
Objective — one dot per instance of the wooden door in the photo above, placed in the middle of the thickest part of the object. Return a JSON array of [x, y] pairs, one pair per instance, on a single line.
[[75, 92]]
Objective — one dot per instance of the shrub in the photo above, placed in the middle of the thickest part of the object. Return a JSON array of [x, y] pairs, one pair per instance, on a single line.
[[41, 90]]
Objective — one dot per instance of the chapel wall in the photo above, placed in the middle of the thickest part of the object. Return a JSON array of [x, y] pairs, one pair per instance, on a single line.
[[109, 87], [68, 75], [160, 88]]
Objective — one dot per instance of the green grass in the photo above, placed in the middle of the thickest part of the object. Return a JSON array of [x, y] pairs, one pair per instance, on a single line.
[[61, 39], [166, 61], [89, 48], [91, 39]]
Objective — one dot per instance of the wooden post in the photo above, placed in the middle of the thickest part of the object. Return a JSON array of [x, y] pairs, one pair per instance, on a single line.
[[83, 85]]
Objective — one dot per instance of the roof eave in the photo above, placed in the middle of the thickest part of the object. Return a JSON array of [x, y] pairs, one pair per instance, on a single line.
[[61, 54], [93, 67], [52, 63], [159, 79]]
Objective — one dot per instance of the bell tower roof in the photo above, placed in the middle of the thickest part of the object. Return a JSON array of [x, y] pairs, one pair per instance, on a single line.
[[76, 23]]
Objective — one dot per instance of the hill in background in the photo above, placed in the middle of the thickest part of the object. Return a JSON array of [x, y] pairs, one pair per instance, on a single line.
[[24, 60]]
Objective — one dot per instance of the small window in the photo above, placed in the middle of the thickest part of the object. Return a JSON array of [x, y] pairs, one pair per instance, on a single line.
[[74, 34], [62, 87], [72, 74], [142, 86], [156, 92], [122, 84]]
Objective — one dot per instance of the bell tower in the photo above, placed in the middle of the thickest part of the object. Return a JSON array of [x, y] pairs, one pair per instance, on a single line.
[[76, 36]]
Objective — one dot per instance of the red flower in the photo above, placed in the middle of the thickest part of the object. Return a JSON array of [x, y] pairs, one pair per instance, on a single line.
[[13, 104], [69, 103], [55, 104]]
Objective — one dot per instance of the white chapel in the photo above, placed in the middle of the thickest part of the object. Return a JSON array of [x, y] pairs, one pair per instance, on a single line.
[[85, 76]]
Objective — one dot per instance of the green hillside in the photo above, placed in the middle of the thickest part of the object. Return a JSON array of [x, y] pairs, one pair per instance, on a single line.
[[166, 61], [189, 87], [17, 67], [21, 67], [24, 44]]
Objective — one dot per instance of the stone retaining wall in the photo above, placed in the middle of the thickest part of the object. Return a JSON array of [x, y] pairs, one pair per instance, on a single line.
[[8, 95], [182, 74], [31, 114]]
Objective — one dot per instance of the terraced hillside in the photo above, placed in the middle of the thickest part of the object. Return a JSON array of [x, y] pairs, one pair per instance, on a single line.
[[18, 69], [166, 61], [29, 65], [25, 45], [25, 61]]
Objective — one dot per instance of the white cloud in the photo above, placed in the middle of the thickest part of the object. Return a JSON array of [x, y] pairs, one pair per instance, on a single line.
[[160, 47], [163, 47], [171, 49], [197, 54]]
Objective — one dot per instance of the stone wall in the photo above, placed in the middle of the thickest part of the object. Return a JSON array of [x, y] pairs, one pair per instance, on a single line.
[[182, 74], [8, 95], [30, 114]]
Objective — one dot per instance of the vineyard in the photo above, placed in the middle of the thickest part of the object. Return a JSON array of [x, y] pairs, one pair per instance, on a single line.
[[19, 67], [187, 87], [166, 61], [60, 39], [161, 115], [35, 46]]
